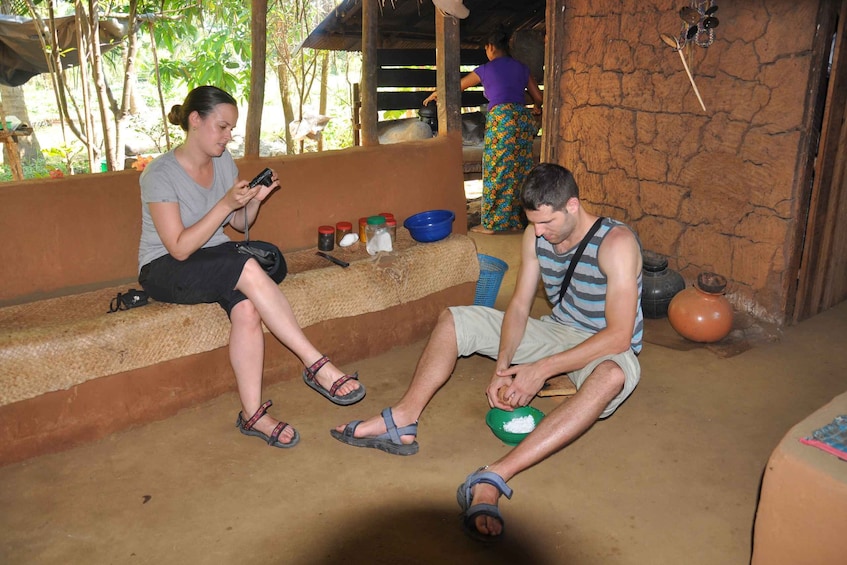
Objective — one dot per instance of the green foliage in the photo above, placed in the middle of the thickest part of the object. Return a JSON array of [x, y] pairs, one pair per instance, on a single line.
[[41, 169], [209, 43], [66, 155], [393, 114], [154, 130], [338, 134], [196, 42]]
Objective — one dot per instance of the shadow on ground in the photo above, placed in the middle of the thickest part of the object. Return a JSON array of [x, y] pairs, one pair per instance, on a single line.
[[424, 535]]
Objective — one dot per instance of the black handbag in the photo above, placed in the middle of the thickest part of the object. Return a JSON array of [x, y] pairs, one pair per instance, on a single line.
[[267, 254], [130, 299]]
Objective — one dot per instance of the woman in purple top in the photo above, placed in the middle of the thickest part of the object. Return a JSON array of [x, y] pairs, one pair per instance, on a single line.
[[509, 131]]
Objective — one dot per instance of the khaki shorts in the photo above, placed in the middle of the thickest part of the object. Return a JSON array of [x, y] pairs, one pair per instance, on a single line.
[[478, 331]]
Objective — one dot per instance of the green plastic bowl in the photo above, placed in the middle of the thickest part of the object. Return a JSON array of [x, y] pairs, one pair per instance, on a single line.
[[497, 418]]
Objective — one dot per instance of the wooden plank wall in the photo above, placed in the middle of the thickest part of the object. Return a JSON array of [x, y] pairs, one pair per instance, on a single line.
[[822, 278]]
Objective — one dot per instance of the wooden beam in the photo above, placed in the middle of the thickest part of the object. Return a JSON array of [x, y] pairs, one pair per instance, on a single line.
[[448, 78], [369, 115], [395, 100], [425, 57]]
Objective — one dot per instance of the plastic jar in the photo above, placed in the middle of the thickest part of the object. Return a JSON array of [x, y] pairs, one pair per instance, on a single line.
[[326, 238], [391, 226], [378, 238], [363, 232], [342, 229]]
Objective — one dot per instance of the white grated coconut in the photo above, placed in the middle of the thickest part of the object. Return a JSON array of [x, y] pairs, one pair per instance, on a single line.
[[522, 425]]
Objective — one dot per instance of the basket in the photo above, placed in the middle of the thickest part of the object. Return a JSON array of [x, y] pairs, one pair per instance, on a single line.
[[491, 271]]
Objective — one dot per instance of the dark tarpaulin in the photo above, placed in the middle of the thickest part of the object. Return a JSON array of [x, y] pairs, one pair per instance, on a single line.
[[21, 54]]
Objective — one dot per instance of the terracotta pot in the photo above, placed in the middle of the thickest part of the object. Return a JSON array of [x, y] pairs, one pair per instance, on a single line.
[[702, 313], [659, 285]]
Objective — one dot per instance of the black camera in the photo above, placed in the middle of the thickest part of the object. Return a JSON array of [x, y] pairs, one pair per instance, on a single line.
[[263, 178]]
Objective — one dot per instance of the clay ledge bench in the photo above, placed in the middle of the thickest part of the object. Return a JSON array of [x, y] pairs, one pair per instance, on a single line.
[[64, 345]]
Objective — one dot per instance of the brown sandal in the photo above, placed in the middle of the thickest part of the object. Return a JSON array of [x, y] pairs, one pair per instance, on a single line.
[[246, 428]]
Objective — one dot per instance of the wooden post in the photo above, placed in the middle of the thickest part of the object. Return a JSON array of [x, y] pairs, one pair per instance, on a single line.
[[448, 79], [13, 153], [357, 120], [369, 116], [553, 70], [10, 146]]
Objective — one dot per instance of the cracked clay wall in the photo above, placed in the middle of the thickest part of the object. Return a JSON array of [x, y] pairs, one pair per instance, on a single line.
[[713, 190]]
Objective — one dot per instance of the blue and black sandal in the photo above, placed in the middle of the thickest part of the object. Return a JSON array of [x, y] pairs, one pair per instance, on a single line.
[[464, 495], [389, 442]]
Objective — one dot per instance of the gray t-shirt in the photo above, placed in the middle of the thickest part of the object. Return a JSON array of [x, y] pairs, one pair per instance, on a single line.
[[164, 180]]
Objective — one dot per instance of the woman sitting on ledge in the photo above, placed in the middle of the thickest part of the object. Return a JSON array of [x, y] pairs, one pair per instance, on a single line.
[[188, 195]]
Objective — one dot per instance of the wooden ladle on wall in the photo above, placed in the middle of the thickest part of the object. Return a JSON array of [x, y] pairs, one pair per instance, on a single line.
[[674, 42]]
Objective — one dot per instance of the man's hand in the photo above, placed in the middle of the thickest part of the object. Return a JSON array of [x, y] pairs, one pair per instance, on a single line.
[[515, 386], [498, 392]]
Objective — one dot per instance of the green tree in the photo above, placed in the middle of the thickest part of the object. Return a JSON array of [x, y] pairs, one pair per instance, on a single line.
[[207, 43], [297, 69]]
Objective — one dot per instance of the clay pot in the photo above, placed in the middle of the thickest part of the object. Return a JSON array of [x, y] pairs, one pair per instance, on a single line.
[[702, 313], [659, 285]]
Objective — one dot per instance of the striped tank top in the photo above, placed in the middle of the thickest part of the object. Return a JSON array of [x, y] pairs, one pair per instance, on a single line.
[[583, 306]]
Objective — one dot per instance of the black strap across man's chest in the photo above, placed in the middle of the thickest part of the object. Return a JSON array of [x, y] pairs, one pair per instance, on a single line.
[[576, 257]]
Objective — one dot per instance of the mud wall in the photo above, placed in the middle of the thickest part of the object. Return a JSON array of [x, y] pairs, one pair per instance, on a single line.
[[713, 190], [81, 232]]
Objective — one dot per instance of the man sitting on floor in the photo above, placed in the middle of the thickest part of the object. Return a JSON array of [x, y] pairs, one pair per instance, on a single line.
[[593, 334]]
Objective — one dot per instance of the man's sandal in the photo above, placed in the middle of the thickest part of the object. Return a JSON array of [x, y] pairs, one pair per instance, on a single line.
[[246, 428], [309, 377], [388, 442], [464, 495]]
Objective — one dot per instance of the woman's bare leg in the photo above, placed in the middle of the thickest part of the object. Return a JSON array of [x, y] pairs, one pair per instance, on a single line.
[[275, 311], [246, 354]]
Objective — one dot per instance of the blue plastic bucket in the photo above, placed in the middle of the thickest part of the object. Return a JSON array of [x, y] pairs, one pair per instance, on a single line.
[[491, 271]]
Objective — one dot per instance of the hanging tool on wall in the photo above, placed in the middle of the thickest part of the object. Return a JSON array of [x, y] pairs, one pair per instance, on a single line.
[[698, 26], [673, 42]]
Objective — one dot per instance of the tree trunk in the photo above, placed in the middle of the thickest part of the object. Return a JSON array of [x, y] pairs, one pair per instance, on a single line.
[[159, 85], [259, 42], [83, 46], [128, 87], [287, 108], [100, 84], [52, 54], [324, 88]]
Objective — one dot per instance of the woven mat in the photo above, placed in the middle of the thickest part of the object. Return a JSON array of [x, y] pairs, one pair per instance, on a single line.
[[57, 343]]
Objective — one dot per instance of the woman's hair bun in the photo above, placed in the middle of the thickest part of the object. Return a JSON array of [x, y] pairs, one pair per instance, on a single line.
[[175, 115]]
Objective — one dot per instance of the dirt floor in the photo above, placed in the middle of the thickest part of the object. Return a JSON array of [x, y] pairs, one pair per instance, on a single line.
[[671, 478]]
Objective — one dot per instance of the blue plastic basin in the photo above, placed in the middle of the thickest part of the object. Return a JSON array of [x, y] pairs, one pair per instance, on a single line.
[[432, 225]]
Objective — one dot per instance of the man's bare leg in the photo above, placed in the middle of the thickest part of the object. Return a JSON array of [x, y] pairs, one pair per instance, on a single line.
[[560, 427], [434, 368]]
